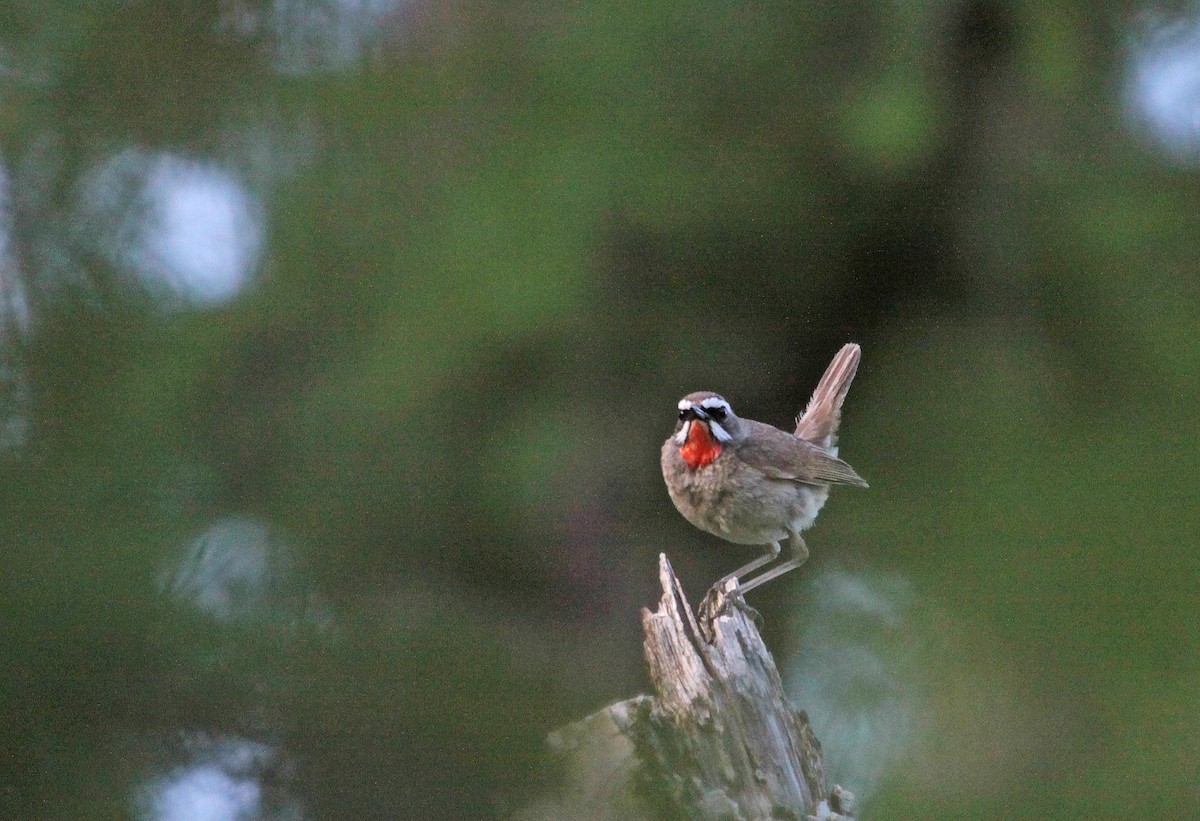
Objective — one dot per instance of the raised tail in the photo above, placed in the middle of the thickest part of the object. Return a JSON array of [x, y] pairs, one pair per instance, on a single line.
[[819, 422]]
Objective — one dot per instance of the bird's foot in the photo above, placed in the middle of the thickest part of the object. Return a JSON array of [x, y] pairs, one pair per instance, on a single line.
[[716, 603], [739, 602]]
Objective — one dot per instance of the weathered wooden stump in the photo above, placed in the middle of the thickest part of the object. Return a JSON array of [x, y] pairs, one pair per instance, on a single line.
[[718, 739]]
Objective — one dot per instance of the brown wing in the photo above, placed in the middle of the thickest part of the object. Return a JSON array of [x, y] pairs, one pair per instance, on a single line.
[[783, 456]]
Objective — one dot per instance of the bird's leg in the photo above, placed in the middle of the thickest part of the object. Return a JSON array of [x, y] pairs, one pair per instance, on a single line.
[[799, 556], [717, 598], [771, 555]]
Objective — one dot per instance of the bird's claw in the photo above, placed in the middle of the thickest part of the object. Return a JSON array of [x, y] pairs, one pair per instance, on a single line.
[[717, 602], [740, 603], [711, 606]]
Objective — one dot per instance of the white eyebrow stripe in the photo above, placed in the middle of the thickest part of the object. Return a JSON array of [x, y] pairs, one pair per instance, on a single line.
[[684, 404], [714, 402]]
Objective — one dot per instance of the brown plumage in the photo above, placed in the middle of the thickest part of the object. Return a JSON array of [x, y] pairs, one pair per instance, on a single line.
[[751, 483]]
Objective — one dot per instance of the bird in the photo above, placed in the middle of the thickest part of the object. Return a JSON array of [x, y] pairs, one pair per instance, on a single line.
[[751, 483]]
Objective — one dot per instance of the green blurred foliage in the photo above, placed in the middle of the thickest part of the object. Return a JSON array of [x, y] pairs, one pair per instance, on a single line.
[[500, 242]]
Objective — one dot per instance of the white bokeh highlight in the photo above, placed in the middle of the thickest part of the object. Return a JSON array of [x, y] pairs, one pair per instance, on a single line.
[[186, 231], [202, 234], [319, 36], [219, 778], [1163, 86], [238, 570], [205, 793], [15, 322], [14, 303]]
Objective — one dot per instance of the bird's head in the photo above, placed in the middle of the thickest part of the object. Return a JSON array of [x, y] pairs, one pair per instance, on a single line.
[[706, 424]]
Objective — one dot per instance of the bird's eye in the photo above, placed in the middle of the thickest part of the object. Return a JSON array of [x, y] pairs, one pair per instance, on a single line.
[[717, 413], [683, 414]]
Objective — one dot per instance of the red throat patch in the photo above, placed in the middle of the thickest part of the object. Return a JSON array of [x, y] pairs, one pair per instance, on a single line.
[[700, 448]]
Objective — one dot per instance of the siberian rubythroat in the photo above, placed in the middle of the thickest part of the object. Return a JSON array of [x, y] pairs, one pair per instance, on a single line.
[[751, 483]]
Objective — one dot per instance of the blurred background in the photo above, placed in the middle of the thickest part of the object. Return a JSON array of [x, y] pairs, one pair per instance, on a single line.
[[339, 338]]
